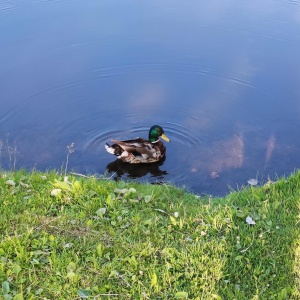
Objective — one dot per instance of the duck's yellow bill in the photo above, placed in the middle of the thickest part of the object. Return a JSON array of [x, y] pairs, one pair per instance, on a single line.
[[163, 136]]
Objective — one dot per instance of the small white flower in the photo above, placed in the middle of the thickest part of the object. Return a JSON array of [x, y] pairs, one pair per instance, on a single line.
[[55, 192], [250, 221], [252, 181], [176, 214], [10, 182], [44, 177], [132, 190], [203, 233]]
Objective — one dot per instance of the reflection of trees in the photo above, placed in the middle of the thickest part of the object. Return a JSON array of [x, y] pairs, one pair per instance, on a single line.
[[271, 143], [225, 155], [135, 170], [230, 154]]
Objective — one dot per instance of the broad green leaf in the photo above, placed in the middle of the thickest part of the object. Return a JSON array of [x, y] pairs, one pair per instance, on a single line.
[[16, 269], [120, 191], [154, 280], [5, 287], [173, 220], [10, 182], [147, 198], [122, 184], [101, 211], [132, 190], [257, 197], [180, 223], [84, 293], [40, 252], [71, 266], [76, 185], [240, 214], [62, 185], [109, 201], [18, 297], [283, 294], [148, 222], [126, 225], [239, 257], [71, 275], [113, 273], [134, 201], [100, 249], [181, 295], [215, 296], [39, 291]]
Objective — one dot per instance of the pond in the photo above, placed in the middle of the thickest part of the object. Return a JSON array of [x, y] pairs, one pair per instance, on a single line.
[[221, 77]]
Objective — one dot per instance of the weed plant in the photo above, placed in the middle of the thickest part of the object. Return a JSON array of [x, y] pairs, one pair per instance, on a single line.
[[11, 154], [78, 238]]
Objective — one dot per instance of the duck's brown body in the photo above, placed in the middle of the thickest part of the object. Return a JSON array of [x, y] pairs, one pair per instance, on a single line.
[[137, 151], [140, 150]]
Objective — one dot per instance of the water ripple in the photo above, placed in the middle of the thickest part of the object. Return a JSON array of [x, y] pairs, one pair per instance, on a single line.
[[176, 132]]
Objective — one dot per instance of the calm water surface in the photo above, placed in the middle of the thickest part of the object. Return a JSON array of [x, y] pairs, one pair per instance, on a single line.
[[221, 77]]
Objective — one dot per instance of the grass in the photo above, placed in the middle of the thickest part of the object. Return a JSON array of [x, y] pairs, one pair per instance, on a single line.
[[79, 238]]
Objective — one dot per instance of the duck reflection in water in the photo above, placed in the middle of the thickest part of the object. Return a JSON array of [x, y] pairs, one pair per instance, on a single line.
[[136, 170]]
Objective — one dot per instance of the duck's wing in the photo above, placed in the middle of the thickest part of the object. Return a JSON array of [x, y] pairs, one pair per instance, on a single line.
[[137, 147]]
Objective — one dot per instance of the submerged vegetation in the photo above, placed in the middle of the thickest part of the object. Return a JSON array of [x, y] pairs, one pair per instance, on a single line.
[[72, 238]]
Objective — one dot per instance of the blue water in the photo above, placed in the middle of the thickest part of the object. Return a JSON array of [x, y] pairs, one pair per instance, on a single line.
[[221, 77]]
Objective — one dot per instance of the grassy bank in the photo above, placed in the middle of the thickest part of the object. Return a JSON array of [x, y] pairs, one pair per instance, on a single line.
[[98, 239]]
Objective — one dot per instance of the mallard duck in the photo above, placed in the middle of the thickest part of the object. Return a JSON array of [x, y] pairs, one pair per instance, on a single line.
[[140, 150]]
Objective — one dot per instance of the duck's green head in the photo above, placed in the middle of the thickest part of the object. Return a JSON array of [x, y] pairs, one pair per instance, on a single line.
[[155, 132]]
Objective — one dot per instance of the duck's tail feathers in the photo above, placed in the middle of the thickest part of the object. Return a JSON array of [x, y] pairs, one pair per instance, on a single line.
[[110, 149]]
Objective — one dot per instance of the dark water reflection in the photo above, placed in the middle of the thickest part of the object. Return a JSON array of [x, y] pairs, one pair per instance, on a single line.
[[136, 171], [221, 78]]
